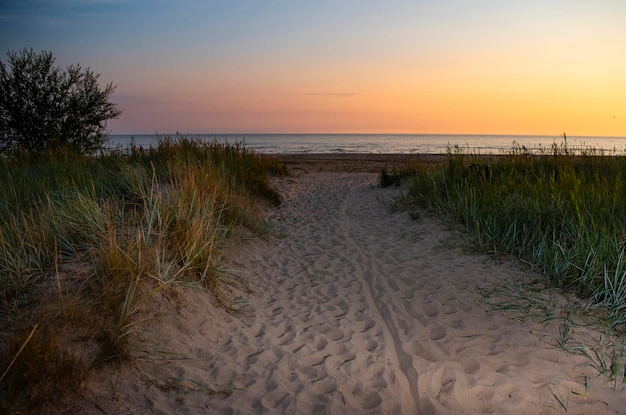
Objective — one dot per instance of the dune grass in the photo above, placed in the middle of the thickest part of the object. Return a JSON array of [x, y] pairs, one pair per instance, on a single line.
[[561, 211], [84, 241]]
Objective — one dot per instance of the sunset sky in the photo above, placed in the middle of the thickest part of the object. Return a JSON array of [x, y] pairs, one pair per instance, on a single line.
[[422, 66]]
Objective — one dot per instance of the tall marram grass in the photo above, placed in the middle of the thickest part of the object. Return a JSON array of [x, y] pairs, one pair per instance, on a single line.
[[563, 212], [84, 241]]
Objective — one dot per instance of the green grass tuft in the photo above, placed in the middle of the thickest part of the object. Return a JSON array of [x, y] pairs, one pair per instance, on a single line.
[[560, 211]]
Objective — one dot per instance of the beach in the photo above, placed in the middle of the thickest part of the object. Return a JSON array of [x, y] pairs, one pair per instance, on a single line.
[[349, 307]]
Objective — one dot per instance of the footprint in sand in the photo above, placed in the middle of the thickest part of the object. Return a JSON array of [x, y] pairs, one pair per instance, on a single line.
[[371, 345], [430, 309], [438, 332], [308, 373], [449, 309], [324, 385], [222, 374], [458, 324], [470, 365], [365, 325], [371, 402], [321, 343], [335, 334], [272, 400]]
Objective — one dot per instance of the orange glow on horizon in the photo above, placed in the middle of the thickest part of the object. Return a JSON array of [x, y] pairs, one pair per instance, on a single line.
[[479, 97], [534, 74]]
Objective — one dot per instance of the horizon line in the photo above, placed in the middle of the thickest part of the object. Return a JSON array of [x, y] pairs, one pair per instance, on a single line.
[[177, 133]]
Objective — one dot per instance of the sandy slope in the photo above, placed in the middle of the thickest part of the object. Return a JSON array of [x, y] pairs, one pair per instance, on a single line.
[[355, 310]]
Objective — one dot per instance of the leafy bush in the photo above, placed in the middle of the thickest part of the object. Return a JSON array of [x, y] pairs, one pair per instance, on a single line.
[[43, 107]]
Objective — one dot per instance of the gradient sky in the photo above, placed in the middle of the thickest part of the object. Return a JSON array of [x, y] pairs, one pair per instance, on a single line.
[[392, 66]]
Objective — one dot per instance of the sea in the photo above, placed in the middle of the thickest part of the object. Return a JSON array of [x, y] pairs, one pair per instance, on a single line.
[[389, 143]]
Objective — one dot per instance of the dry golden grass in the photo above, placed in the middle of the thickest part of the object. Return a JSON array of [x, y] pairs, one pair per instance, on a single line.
[[85, 247]]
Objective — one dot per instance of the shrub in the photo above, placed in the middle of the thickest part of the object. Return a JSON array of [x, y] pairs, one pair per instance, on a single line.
[[43, 107]]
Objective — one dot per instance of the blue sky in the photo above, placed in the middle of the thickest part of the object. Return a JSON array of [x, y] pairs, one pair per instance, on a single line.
[[447, 66]]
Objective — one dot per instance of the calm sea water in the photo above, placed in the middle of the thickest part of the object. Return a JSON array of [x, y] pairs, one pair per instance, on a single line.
[[386, 143]]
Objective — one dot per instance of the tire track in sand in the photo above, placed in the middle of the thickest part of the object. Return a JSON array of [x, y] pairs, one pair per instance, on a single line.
[[370, 274]]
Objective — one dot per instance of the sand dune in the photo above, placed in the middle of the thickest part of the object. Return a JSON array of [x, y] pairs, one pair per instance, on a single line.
[[355, 310]]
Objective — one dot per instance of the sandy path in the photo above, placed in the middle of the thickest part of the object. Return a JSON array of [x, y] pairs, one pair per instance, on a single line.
[[357, 310]]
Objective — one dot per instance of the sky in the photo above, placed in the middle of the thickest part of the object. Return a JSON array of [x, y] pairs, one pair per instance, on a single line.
[[536, 67]]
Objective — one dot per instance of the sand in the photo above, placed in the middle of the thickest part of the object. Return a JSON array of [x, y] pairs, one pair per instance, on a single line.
[[355, 310], [356, 162]]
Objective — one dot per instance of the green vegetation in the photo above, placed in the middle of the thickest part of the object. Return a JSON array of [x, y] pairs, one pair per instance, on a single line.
[[44, 107], [564, 213], [85, 241], [396, 176]]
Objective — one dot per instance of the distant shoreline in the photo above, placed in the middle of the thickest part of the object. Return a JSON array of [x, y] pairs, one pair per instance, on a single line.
[[352, 162], [355, 162]]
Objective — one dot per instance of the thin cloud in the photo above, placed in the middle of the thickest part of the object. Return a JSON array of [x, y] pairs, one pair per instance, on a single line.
[[332, 94]]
